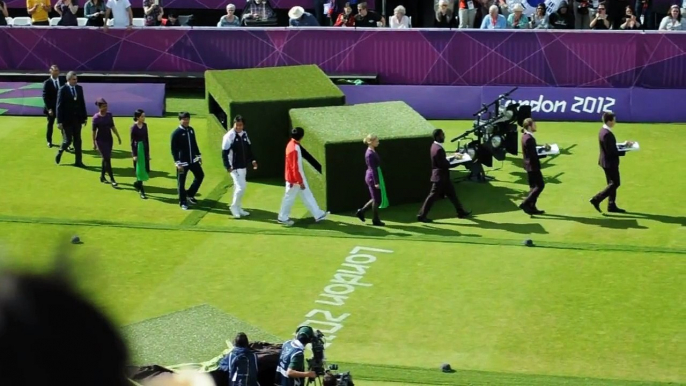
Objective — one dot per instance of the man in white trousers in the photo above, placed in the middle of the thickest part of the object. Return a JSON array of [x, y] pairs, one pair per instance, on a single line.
[[296, 183], [237, 156]]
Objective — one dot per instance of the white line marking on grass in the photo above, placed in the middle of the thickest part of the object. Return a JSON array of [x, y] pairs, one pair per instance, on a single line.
[[344, 282]]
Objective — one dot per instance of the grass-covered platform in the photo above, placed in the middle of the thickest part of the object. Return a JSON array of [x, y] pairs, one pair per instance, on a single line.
[[263, 96], [336, 143]]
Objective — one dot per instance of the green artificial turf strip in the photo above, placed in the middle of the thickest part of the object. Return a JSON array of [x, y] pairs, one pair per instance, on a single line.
[[269, 84]]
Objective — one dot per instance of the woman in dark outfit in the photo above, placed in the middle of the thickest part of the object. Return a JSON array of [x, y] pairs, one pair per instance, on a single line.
[[140, 150], [103, 126], [374, 180]]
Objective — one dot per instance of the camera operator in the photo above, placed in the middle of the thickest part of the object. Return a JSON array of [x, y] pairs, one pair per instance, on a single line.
[[291, 369], [241, 363]]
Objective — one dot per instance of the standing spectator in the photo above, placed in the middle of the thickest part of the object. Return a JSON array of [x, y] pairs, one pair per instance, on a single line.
[[3, 14], [346, 18], [601, 21], [517, 19], [367, 18], [539, 20], [399, 19], [583, 14], [51, 87], [644, 8], [562, 19], [140, 150], [121, 13], [67, 10], [672, 22], [494, 20], [629, 22], [71, 116], [504, 8], [467, 13], [299, 18], [153, 13], [320, 11], [186, 154], [230, 19], [38, 10], [95, 12], [103, 127], [444, 16]]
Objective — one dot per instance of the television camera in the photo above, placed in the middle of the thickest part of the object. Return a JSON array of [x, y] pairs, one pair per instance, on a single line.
[[318, 364], [493, 135]]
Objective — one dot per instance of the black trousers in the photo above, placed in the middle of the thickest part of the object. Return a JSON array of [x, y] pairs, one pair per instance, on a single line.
[[536, 186], [610, 191], [51, 125], [71, 134], [438, 191], [198, 176]]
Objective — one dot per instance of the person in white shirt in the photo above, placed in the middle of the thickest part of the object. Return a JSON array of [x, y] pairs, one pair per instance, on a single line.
[[672, 22], [122, 16], [237, 156], [399, 19]]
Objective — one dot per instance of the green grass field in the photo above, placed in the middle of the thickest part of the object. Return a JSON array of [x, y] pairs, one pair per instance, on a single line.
[[599, 301]]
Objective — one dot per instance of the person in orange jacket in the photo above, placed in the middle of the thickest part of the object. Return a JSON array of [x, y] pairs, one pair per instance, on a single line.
[[296, 183]]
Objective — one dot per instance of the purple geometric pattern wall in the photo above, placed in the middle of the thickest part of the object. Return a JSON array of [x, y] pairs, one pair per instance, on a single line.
[[193, 4], [412, 57]]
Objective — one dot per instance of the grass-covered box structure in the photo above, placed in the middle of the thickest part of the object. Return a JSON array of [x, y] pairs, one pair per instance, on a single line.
[[333, 137], [263, 96]]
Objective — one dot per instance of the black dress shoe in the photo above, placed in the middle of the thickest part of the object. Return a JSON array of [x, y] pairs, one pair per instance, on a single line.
[[615, 209], [104, 180], [378, 223], [360, 214], [526, 208], [464, 214], [537, 211], [424, 220], [596, 205]]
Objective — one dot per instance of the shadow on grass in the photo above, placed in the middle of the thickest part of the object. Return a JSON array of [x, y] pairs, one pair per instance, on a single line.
[[545, 162], [116, 154], [518, 228], [130, 172], [678, 220], [602, 222], [522, 178]]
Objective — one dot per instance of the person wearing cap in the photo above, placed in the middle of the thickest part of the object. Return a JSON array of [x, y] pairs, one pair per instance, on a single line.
[[296, 182], [237, 155], [103, 127], [517, 19], [186, 154], [299, 18], [562, 19], [291, 368], [494, 20]]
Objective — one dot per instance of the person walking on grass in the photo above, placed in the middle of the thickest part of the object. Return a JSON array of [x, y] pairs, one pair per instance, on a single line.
[[140, 150], [374, 180], [186, 154], [296, 183], [237, 155], [103, 127]]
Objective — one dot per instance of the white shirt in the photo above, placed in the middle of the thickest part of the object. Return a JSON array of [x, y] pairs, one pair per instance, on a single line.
[[403, 23], [528, 132], [120, 13], [56, 82], [438, 143], [607, 127]]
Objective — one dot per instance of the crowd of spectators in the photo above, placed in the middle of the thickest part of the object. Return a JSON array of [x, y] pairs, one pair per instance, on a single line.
[[464, 14]]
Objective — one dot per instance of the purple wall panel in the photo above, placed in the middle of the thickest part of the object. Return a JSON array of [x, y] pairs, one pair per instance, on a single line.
[[411, 57]]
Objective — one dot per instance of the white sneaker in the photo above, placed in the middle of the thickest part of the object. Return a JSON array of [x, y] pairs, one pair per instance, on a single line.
[[235, 213], [322, 217], [287, 223], [184, 207], [243, 213]]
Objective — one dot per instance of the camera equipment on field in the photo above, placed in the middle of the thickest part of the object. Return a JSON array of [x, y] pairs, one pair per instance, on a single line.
[[318, 363], [493, 135]]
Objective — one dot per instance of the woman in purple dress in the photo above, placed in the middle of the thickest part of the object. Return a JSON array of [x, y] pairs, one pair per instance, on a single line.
[[372, 179], [139, 136], [103, 127]]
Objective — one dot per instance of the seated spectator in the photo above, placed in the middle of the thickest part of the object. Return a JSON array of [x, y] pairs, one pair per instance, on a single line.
[[629, 20], [562, 19], [3, 13], [346, 18], [399, 20], [67, 10], [367, 18], [38, 10], [299, 18], [122, 15], [539, 20], [153, 13], [230, 19], [583, 13], [517, 19], [672, 22], [172, 20], [258, 12], [94, 11], [494, 20], [601, 21], [444, 16]]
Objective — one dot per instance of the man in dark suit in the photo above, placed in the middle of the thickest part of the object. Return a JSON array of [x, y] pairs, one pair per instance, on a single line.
[[50, 88], [532, 165], [441, 186], [71, 116], [609, 161]]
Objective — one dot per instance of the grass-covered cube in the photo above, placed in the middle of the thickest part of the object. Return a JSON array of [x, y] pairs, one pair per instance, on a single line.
[[333, 137], [263, 96]]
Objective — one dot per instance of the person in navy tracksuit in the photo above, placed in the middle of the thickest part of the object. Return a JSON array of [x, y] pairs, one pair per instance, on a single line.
[[186, 153]]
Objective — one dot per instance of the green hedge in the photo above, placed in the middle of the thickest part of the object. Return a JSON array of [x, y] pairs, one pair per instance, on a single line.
[[333, 136], [263, 96]]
